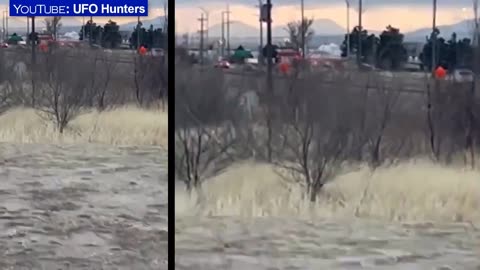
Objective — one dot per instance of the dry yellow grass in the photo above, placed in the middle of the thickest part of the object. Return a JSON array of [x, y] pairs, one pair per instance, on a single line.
[[412, 191], [128, 125]]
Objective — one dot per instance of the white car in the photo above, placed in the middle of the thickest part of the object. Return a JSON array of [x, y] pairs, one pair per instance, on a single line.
[[157, 52], [462, 75]]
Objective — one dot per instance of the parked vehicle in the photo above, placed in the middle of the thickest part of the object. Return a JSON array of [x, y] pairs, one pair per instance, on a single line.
[[222, 64], [157, 52], [461, 75]]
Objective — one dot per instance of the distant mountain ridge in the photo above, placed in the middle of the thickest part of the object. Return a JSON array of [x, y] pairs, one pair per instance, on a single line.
[[157, 22], [240, 29], [462, 29], [327, 27]]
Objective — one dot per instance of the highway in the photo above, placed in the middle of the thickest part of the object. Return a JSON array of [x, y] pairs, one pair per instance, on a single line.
[[116, 56], [408, 82], [412, 86]]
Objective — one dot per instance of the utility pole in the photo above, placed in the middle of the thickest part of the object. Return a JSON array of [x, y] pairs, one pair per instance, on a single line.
[[359, 51], [165, 26], [434, 38], [34, 41], [269, 48], [348, 27], [260, 51], [303, 25], [476, 41], [228, 30], [475, 18], [28, 31], [54, 21], [206, 24], [6, 21], [223, 35], [90, 38], [202, 19], [34, 60], [3, 25], [83, 30], [270, 92], [138, 32]]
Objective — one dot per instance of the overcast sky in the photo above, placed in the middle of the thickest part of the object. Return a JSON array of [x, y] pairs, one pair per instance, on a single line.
[[407, 15]]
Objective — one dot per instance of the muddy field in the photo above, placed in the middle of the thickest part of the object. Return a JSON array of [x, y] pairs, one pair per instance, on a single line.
[[83, 207]]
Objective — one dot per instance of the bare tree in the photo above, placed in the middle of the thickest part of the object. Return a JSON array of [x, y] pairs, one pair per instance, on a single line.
[[448, 119], [53, 25], [11, 83], [63, 88], [108, 67], [315, 135], [149, 79], [383, 100], [204, 126], [299, 32]]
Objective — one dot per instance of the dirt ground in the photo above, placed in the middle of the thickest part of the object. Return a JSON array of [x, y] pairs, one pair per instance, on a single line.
[[83, 207]]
